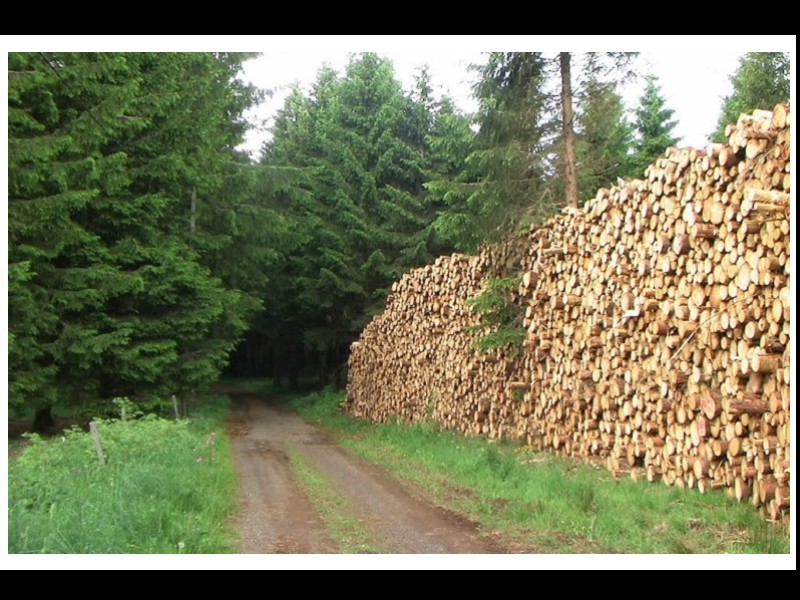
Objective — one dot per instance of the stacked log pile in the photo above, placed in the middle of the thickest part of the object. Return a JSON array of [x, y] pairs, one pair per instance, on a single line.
[[658, 323]]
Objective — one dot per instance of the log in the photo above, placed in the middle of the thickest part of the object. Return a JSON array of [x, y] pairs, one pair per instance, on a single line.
[[780, 116], [765, 202], [766, 363], [749, 404], [710, 402], [657, 326]]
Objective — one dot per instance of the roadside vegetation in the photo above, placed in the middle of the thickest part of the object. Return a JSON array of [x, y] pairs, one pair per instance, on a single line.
[[542, 502], [167, 487]]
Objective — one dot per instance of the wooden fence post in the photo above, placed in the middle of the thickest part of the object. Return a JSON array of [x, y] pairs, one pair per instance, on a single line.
[[96, 439]]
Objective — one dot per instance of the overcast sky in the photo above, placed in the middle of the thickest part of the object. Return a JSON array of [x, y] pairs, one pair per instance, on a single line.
[[692, 84], [693, 72]]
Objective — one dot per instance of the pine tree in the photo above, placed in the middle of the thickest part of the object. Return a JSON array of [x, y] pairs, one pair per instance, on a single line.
[[653, 128], [62, 109], [109, 155], [604, 138], [761, 81], [593, 64], [354, 152], [502, 182], [453, 224], [525, 163]]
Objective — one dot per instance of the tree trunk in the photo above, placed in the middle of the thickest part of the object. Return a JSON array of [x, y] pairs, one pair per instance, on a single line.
[[341, 355], [277, 371], [570, 159], [293, 367], [322, 377], [43, 420]]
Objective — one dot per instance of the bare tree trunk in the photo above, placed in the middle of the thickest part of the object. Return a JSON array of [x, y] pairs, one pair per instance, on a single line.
[[570, 160]]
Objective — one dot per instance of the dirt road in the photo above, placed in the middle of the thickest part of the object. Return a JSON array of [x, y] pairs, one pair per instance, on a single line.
[[276, 516]]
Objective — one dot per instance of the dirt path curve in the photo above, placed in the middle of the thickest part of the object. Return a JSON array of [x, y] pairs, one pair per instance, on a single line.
[[275, 516]]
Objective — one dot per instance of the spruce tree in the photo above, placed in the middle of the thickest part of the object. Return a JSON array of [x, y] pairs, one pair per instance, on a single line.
[[109, 157], [63, 108], [653, 128], [502, 182], [604, 138], [453, 224], [761, 81], [356, 153], [594, 63]]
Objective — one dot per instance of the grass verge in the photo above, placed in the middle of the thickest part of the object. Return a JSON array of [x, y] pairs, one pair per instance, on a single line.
[[347, 531], [168, 487], [542, 501], [15, 447]]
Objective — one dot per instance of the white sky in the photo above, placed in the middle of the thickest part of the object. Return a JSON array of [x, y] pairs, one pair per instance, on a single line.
[[693, 72], [681, 76]]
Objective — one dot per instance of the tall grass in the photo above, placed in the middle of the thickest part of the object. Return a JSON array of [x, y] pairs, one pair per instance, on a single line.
[[168, 487], [554, 504]]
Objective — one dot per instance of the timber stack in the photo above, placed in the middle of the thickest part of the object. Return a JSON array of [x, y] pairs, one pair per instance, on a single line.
[[658, 323]]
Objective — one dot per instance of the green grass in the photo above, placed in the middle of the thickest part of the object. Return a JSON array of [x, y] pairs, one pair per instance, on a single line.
[[346, 530], [168, 487], [15, 447], [544, 502]]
